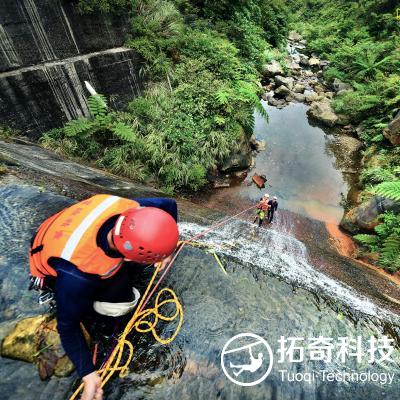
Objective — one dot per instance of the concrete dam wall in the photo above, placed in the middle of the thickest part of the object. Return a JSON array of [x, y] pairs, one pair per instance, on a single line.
[[48, 50]]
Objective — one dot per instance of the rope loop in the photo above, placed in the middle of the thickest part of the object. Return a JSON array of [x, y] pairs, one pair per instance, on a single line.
[[149, 318]]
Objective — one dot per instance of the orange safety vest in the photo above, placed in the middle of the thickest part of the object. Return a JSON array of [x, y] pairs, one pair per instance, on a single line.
[[71, 235], [263, 205]]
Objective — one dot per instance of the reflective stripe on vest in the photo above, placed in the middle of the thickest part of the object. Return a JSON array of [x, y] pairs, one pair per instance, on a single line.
[[71, 235], [76, 236]]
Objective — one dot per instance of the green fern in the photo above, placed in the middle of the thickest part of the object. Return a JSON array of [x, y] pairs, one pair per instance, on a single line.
[[222, 96], [123, 132], [390, 251], [78, 127], [365, 239], [391, 190], [97, 105]]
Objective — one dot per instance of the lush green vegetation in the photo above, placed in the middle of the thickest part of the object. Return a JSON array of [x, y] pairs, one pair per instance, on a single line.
[[361, 39], [202, 62], [105, 6], [386, 241]]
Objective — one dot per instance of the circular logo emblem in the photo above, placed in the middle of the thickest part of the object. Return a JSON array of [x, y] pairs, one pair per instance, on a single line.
[[247, 359]]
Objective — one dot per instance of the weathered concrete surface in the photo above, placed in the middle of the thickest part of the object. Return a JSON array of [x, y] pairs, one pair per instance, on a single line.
[[37, 98], [36, 31], [47, 50]]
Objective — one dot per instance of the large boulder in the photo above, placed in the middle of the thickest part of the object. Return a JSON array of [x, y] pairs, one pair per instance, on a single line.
[[298, 88], [307, 73], [284, 80], [392, 131], [347, 157], [272, 101], [293, 66], [323, 112], [257, 144], [35, 339], [240, 159], [314, 62], [272, 69], [311, 97], [340, 86], [304, 60], [300, 98], [282, 92], [319, 88], [324, 63], [364, 218], [294, 36]]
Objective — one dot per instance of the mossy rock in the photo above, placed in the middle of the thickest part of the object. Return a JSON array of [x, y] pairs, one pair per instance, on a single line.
[[36, 339], [3, 169], [365, 217], [64, 367], [22, 342]]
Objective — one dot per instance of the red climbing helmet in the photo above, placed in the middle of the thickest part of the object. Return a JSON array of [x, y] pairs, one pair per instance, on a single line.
[[145, 235]]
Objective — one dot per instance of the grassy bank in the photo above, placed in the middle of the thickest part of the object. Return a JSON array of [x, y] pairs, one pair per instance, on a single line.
[[202, 63], [361, 40]]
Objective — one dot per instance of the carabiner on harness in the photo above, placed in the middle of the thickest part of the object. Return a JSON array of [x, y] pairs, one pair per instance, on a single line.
[[36, 283]]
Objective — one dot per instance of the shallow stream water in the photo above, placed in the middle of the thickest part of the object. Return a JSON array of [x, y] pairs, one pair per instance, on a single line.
[[300, 163]]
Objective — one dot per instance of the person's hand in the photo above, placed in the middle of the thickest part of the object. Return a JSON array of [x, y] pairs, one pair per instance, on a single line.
[[92, 389], [164, 262]]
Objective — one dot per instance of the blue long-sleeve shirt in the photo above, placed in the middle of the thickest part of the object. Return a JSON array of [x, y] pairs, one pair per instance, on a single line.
[[76, 292]]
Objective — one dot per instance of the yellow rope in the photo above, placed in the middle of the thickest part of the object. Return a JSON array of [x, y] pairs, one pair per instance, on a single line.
[[142, 321], [219, 263]]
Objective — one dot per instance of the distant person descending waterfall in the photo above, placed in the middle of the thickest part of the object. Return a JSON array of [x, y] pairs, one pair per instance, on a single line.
[[262, 209], [273, 206]]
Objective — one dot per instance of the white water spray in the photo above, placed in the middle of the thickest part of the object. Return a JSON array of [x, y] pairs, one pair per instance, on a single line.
[[283, 256]]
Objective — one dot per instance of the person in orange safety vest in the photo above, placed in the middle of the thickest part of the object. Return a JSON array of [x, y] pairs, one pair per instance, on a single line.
[[90, 255], [262, 209]]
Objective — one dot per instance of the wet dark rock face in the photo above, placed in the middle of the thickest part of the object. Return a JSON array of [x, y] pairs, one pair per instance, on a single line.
[[48, 50]]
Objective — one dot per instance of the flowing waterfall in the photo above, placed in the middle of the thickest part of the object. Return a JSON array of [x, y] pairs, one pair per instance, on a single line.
[[43, 44], [133, 79], [67, 90], [284, 256], [8, 49]]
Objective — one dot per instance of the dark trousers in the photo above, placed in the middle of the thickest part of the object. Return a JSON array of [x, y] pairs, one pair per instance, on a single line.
[[270, 215]]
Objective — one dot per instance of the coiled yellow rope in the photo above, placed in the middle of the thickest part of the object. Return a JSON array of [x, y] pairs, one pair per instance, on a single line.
[[142, 321]]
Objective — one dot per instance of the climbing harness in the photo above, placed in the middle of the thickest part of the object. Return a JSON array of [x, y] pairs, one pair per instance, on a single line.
[[145, 320]]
